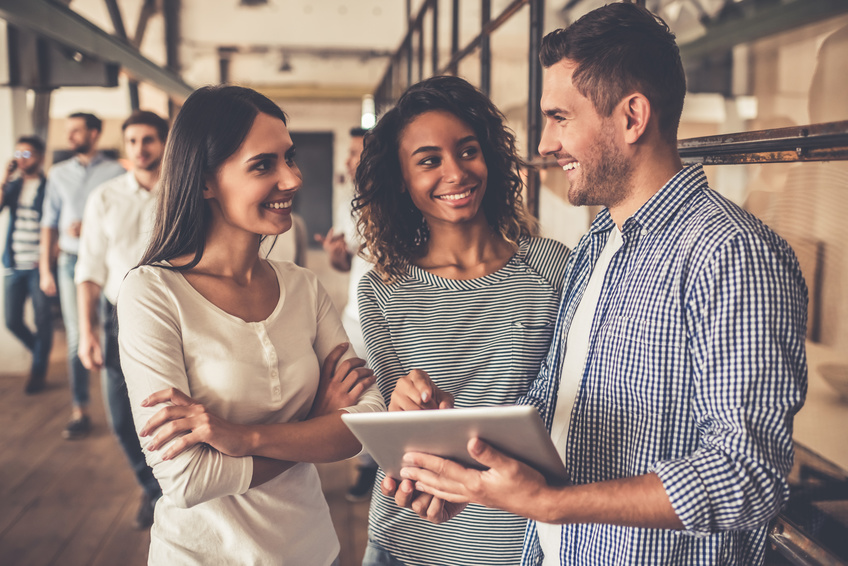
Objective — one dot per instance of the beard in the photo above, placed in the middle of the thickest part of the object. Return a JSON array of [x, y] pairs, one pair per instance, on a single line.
[[606, 179], [152, 166], [82, 148]]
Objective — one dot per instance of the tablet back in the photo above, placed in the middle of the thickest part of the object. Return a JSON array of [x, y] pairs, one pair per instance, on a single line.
[[515, 430]]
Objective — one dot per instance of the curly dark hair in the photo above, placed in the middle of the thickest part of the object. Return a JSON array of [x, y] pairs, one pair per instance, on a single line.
[[393, 229]]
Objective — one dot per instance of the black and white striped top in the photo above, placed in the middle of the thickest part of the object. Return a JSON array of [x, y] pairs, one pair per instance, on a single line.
[[483, 341]]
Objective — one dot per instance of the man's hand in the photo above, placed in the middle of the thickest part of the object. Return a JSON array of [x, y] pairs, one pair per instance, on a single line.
[[89, 350], [75, 229], [508, 484], [416, 391], [335, 246], [47, 283]]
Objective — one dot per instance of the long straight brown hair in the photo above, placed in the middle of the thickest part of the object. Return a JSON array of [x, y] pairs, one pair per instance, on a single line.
[[209, 128]]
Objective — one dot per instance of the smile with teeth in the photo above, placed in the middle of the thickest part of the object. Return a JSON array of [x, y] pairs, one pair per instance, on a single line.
[[571, 166], [278, 205], [456, 196]]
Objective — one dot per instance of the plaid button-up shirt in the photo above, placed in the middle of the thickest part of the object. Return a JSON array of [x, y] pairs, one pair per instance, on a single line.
[[695, 369]]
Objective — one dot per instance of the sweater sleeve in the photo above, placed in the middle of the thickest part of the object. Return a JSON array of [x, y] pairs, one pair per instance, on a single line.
[[330, 333], [151, 349]]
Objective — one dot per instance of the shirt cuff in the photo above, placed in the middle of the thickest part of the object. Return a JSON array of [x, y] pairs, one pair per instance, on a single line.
[[687, 493]]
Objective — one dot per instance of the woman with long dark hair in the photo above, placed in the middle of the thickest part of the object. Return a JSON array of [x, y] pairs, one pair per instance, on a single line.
[[247, 356], [461, 301]]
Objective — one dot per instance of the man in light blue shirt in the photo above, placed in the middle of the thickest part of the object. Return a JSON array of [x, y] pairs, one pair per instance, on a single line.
[[68, 186]]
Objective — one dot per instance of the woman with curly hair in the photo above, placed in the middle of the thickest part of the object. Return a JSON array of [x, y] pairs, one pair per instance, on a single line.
[[462, 297]]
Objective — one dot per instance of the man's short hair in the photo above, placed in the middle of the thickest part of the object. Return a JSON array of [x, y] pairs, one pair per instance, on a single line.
[[358, 132], [147, 118], [92, 122], [619, 49], [34, 142]]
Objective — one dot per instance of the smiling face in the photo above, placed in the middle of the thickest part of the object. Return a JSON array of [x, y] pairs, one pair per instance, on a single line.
[[583, 142], [143, 146], [443, 168], [80, 138], [253, 189]]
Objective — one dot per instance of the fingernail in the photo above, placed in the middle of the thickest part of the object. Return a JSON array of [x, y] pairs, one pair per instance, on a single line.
[[425, 397], [404, 473], [144, 403]]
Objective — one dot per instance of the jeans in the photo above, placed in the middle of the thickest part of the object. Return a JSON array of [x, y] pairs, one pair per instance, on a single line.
[[117, 403], [376, 556], [19, 284], [77, 374]]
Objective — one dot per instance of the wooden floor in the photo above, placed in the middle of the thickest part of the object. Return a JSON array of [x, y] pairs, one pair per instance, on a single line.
[[72, 503]]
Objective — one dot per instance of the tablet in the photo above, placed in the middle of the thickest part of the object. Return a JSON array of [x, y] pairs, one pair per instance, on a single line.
[[515, 430]]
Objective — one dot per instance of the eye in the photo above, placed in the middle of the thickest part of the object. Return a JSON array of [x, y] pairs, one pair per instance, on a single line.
[[470, 152], [290, 157], [430, 161], [262, 165]]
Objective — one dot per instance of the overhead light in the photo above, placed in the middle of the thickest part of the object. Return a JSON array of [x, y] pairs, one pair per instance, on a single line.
[[369, 113], [252, 2]]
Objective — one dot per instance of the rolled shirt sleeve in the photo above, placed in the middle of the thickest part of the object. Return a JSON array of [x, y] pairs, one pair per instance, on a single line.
[[747, 315]]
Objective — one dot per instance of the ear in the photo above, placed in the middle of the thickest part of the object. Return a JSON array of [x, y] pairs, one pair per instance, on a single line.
[[209, 188], [637, 113]]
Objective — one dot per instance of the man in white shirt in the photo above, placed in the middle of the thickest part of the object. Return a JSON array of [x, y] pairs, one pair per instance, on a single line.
[[118, 221]]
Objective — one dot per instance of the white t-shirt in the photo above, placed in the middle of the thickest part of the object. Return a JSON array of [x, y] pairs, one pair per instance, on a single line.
[[246, 372], [573, 363]]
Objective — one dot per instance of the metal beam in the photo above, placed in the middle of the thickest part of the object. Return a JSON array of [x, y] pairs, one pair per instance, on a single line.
[[752, 20], [69, 28]]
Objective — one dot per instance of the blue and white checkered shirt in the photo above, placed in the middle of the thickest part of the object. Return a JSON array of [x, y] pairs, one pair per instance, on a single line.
[[696, 367]]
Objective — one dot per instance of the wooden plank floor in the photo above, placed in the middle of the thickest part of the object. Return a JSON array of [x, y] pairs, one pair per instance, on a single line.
[[73, 503]]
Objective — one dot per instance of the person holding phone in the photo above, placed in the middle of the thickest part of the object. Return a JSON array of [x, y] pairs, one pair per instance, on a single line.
[[23, 192]]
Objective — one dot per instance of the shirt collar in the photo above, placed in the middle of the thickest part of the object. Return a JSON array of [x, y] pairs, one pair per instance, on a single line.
[[655, 213]]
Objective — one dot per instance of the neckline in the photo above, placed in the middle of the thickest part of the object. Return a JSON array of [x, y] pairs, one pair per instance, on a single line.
[[419, 274], [215, 308]]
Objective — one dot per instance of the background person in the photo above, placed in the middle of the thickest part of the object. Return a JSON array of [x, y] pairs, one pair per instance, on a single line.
[[678, 361], [343, 246], [256, 344], [461, 293], [23, 187], [117, 224], [68, 185]]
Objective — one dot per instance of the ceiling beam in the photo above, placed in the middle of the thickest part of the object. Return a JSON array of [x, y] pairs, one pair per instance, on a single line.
[[750, 20], [69, 28]]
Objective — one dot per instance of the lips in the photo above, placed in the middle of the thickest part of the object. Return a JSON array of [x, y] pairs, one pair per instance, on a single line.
[[456, 196], [277, 205]]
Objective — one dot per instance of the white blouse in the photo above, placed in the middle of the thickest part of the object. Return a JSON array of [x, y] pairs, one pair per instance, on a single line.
[[245, 372]]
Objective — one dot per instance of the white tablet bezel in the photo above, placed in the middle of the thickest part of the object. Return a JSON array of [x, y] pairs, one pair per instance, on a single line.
[[515, 430]]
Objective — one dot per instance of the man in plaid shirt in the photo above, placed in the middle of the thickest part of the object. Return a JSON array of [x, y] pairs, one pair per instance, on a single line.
[[678, 359]]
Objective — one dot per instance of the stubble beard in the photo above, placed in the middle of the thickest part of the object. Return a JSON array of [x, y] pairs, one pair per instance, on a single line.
[[606, 181]]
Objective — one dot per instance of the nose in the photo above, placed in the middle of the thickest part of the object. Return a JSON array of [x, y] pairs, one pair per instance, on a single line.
[[548, 144], [290, 178], [452, 170]]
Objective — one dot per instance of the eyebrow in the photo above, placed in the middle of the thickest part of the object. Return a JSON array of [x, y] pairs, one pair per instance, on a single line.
[[551, 112], [427, 148], [262, 156]]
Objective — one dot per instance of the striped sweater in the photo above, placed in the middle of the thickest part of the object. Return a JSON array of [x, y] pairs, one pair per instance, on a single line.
[[483, 341]]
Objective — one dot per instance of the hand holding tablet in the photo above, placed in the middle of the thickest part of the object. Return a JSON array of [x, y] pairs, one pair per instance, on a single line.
[[515, 430]]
